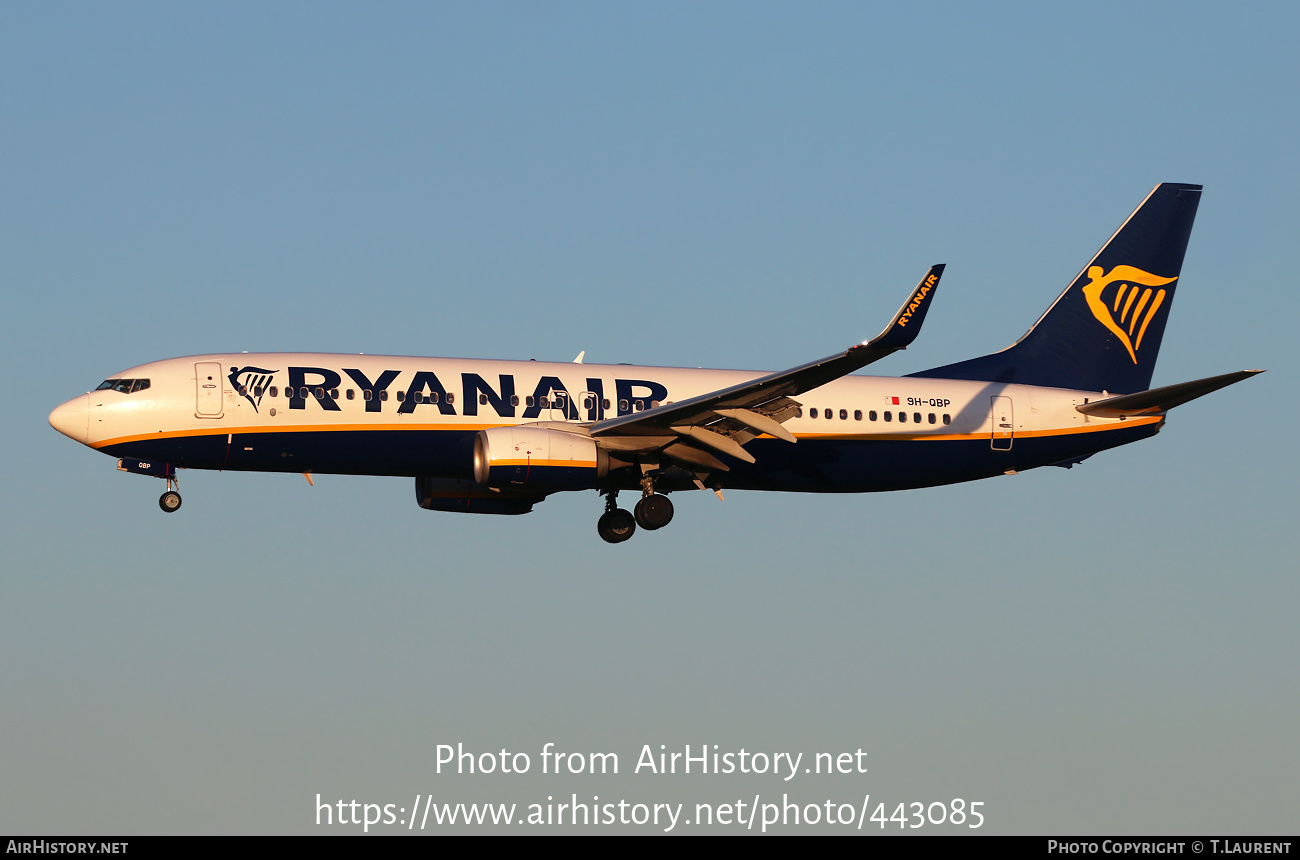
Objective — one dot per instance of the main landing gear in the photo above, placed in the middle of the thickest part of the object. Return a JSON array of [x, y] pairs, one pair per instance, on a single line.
[[653, 512], [616, 525]]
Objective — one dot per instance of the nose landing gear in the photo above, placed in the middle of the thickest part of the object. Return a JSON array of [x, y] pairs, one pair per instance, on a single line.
[[170, 501]]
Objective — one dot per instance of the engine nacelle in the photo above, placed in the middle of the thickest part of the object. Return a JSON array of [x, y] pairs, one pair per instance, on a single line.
[[537, 458], [466, 497]]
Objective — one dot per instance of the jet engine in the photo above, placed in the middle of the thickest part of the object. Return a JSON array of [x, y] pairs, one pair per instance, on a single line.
[[537, 458]]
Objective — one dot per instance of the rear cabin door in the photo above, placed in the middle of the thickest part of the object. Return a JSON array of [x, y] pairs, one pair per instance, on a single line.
[[1004, 423]]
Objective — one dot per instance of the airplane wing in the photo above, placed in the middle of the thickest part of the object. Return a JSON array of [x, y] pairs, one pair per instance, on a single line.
[[723, 421]]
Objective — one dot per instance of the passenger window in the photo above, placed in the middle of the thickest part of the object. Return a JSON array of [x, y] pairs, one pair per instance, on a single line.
[[544, 402], [529, 400], [872, 415], [829, 414], [947, 419], [857, 414], [433, 397], [367, 394], [931, 417], [451, 397], [844, 415], [352, 395], [622, 406], [274, 392], [304, 393], [320, 393], [889, 416], [383, 395], [401, 396], [812, 413], [514, 400], [605, 403], [902, 417], [638, 405], [916, 416], [334, 394], [482, 400], [243, 391]]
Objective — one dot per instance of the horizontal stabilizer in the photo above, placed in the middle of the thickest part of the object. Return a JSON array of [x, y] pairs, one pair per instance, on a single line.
[[1159, 400]]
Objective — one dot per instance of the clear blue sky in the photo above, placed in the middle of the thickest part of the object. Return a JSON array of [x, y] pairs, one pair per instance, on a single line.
[[751, 185]]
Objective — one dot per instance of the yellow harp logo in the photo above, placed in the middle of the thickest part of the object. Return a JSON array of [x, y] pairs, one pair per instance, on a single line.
[[1130, 304]]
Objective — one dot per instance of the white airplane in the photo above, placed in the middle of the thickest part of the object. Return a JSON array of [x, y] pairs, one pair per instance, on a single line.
[[496, 437]]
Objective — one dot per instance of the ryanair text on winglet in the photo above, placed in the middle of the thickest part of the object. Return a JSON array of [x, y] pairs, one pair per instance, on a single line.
[[917, 299]]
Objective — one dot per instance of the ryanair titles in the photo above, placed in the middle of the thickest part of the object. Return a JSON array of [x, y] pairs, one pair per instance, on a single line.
[[407, 391], [918, 299]]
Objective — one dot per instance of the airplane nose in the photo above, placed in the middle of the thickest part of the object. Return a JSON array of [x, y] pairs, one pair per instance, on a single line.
[[72, 419]]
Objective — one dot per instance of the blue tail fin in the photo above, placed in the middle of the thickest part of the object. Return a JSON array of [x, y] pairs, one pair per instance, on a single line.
[[1104, 331]]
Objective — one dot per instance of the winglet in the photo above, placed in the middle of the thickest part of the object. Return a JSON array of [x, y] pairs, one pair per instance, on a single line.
[[906, 325]]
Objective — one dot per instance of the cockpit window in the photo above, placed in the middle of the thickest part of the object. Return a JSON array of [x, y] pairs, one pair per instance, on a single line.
[[125, 386]]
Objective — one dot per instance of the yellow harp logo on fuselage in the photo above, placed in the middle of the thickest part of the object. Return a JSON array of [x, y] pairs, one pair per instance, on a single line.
[[1131, 302]]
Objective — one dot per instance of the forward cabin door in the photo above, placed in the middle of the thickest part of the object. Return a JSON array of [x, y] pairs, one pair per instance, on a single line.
[[207, 389], [1004, 423]]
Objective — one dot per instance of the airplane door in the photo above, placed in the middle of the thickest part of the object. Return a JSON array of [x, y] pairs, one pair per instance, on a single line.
[[1004, 423], [207, 389]]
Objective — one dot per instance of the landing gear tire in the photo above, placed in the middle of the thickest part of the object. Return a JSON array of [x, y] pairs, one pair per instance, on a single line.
[[170, 501], [616, 526], [654, 512]]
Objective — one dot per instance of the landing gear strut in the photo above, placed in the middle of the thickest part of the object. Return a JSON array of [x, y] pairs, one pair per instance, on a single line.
[[615, 525]]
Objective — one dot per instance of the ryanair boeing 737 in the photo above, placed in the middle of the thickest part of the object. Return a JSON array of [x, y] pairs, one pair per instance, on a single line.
[[497, 437]]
